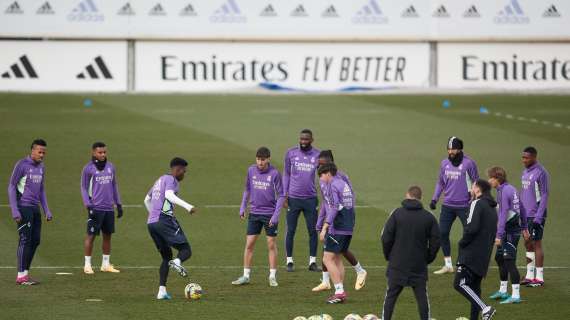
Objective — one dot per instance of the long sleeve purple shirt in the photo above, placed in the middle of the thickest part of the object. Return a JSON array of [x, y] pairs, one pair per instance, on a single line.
[[158, 202], [534, 192], [323, 208], [299, 172], [340, 199], [508, 208], [264, 191], [455, 182], [26, 187], [99, 189]]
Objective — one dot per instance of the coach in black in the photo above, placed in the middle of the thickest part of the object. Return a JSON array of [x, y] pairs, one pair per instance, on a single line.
[[475, 248], [410, 240]]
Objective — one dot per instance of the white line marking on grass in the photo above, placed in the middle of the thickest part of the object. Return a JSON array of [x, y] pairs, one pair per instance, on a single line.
[[232, 267], [558, 125], [63, 273], [532, 120], [93, 300], [509, 116]]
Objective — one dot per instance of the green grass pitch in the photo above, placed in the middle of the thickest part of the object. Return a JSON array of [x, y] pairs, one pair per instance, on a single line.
[[384, 143]]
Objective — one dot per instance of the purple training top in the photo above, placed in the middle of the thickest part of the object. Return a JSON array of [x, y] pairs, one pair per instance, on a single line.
[[455, 182], [158, 203], [99, 189], [264, 191], [323, 208], [299, 173], [534, 192], [340, 201], [508, 208], [26, 187]]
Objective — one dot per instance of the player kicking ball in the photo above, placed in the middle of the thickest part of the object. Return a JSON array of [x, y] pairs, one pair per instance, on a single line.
[[337, 228], [264, 191], [325, 157], [163, 226]]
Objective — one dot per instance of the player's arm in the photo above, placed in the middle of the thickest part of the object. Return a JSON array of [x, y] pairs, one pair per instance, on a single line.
[[503, 214], [17, 174], [278, 186], [332, 212], [43, 200], [472, 226], [322, 211], [245, 197], [434, 240], [543, 189], [147, 202], [172, 197], [473, 172], [438, 188], [85, 180], [116, 195], [388, 234], [286, 173]]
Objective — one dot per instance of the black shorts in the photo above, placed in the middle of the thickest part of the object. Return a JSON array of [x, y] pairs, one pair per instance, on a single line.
[[256, 222], [98, 221], [508, 247], [337, 243], [166, 232], [536, 230]]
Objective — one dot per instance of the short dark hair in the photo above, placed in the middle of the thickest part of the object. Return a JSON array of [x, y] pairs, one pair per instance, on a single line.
[[178, 162], [483, 185], [415, 192], [497, 173], [307, 131], [531, 150], [98, 144], [263, 152], [326, 154], [326, 168], [38, 142]]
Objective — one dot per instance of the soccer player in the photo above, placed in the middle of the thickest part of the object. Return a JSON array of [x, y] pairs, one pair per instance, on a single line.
[[410, 240], [456, 175], [337, 228], [475, 248], [263, 189], [508, 235], [534, 202], [326, 156], [301, 195], [100, 194], [163, 226], [25, 191]]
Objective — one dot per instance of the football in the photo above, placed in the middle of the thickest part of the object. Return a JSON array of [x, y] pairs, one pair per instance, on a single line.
[[193, 291], [370, 317], [352, 316]]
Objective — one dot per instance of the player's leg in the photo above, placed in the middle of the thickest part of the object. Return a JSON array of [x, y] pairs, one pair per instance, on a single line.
[[360, 271], [94, 225], [311, 216], [24, 246], [88, 251], [293, 211], [420, 292], [166, 254], [530, 256], [254, 226], [272, 255], [107, 228], [35, 237], [536, 237], [392, 293], [325, 279], [501, 294], [510, 243], [332, 261], [469, 285], [446, 218]]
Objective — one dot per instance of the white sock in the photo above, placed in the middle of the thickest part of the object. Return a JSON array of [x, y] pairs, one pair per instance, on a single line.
[[246, 272], [358, 268], [326, 277], [106, 259], [272, 273], [448, 262], [177, 261], [516, 291], [88, 261], [25, 272], [21, 274], [540, 273], [289, 260], [530, 266], [162, 290], [503, 287], [338, 288], [312, 260]]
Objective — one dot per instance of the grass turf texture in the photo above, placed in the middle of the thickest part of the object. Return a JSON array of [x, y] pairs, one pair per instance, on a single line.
[[384, 143]]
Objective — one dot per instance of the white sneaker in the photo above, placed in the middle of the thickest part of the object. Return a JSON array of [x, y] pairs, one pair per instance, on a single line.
[[163, 296], [360, 280], [444, 270], [273, 282]]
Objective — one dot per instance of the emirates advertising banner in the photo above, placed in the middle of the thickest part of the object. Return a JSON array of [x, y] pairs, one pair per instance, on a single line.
[[191, 67]]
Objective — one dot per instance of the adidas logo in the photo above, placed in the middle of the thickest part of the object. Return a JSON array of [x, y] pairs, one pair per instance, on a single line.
[[14, 8], [471, 12], [91, 73], [512, 14], [551, 12], [299, 11], [228, 12], [330, 12], [370, 13], [126, 10], [269, 11], [441, 12], [157, 10], [86, 11], [22, 70], [45, 9], [410, 12], [188, 11]]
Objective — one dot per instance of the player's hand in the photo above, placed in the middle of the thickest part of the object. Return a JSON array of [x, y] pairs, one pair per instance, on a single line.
[[286, 203], [273, 222], [322, 235], [497, 242], [242, 216], [49, 217], [432, 204], [18, 219], [526, 234], [119, 211]]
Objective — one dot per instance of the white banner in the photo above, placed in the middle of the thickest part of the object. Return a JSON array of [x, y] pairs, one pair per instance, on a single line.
[[509, 66], [63, 66], [275, 20], [187, 67]]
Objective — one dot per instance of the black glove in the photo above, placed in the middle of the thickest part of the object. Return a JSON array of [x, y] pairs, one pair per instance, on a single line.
[[432, 204], [119, 211]]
